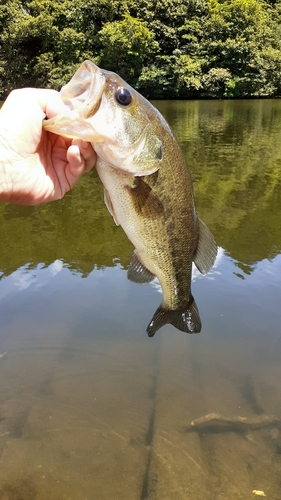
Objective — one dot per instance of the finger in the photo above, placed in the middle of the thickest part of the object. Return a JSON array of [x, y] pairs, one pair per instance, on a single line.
[[76, 165], [58, 140], [30, 105], [22, 103], [24, 98], [56, 106], [50, 102], [87, 152], [23, 133]]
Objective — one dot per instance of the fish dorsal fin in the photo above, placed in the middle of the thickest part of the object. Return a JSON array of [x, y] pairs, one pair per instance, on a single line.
[[206, 250], [137, 272], [109, 206]]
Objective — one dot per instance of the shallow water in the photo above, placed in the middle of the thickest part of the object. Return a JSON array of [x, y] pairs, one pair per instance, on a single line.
[[90, 408]]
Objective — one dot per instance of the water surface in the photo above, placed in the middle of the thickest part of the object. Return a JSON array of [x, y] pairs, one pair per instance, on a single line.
[[90, 408]]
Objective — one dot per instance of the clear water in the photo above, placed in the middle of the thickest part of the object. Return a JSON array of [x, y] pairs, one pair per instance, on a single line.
[[90, 408]]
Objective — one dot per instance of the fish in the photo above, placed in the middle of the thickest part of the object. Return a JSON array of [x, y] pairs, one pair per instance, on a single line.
[[147, 187]]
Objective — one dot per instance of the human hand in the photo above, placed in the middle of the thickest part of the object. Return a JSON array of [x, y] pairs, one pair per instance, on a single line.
[[37, 166]]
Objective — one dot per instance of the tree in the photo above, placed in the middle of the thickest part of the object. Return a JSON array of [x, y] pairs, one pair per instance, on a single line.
[[127, 46], [240, 39], [166, 48]]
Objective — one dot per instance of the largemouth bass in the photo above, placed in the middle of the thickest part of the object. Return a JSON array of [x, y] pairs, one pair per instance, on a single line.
[[147, 185]]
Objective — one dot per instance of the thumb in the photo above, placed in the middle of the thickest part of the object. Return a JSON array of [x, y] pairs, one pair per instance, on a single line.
[[87, 152], [76, 166]]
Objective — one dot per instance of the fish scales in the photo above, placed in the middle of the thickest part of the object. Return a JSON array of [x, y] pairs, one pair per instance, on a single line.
[[171, 259], [148, 187]]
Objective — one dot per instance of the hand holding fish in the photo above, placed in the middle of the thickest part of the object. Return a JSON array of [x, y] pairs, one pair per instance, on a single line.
[[37, 166]]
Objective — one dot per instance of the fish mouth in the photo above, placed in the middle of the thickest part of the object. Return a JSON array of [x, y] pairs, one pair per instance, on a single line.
[[82, 96], [85, 89]]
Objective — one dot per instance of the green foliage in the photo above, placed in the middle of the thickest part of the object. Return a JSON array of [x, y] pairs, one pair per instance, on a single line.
[[177, 76], [242, 40], [127, 46], [165, 48]]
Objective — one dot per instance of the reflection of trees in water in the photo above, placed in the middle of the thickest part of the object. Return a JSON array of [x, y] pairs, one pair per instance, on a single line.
[[77, 230], [234, 151]]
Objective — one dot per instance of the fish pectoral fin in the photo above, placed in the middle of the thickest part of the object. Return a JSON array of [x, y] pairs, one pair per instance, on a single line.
[[109, 206], [187, 320], [146, 203], [137, 272], [206, 250]]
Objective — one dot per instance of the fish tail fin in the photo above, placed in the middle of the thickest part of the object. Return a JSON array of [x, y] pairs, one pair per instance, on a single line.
[[186, 320]]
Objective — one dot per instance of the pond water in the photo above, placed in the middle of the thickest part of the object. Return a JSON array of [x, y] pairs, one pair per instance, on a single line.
[[90, 407]]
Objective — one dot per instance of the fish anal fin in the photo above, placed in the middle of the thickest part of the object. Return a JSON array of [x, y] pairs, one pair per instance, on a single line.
[[109, 206], [137, 272], [187, 320], [146, 203], [206, 250]]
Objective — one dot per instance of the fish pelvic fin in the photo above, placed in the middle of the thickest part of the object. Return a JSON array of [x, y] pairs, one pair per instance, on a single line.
[[137, 272], [206, 250], [187, 320]]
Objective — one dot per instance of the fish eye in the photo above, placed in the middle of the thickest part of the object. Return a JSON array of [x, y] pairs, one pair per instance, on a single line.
[[123, 96]]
